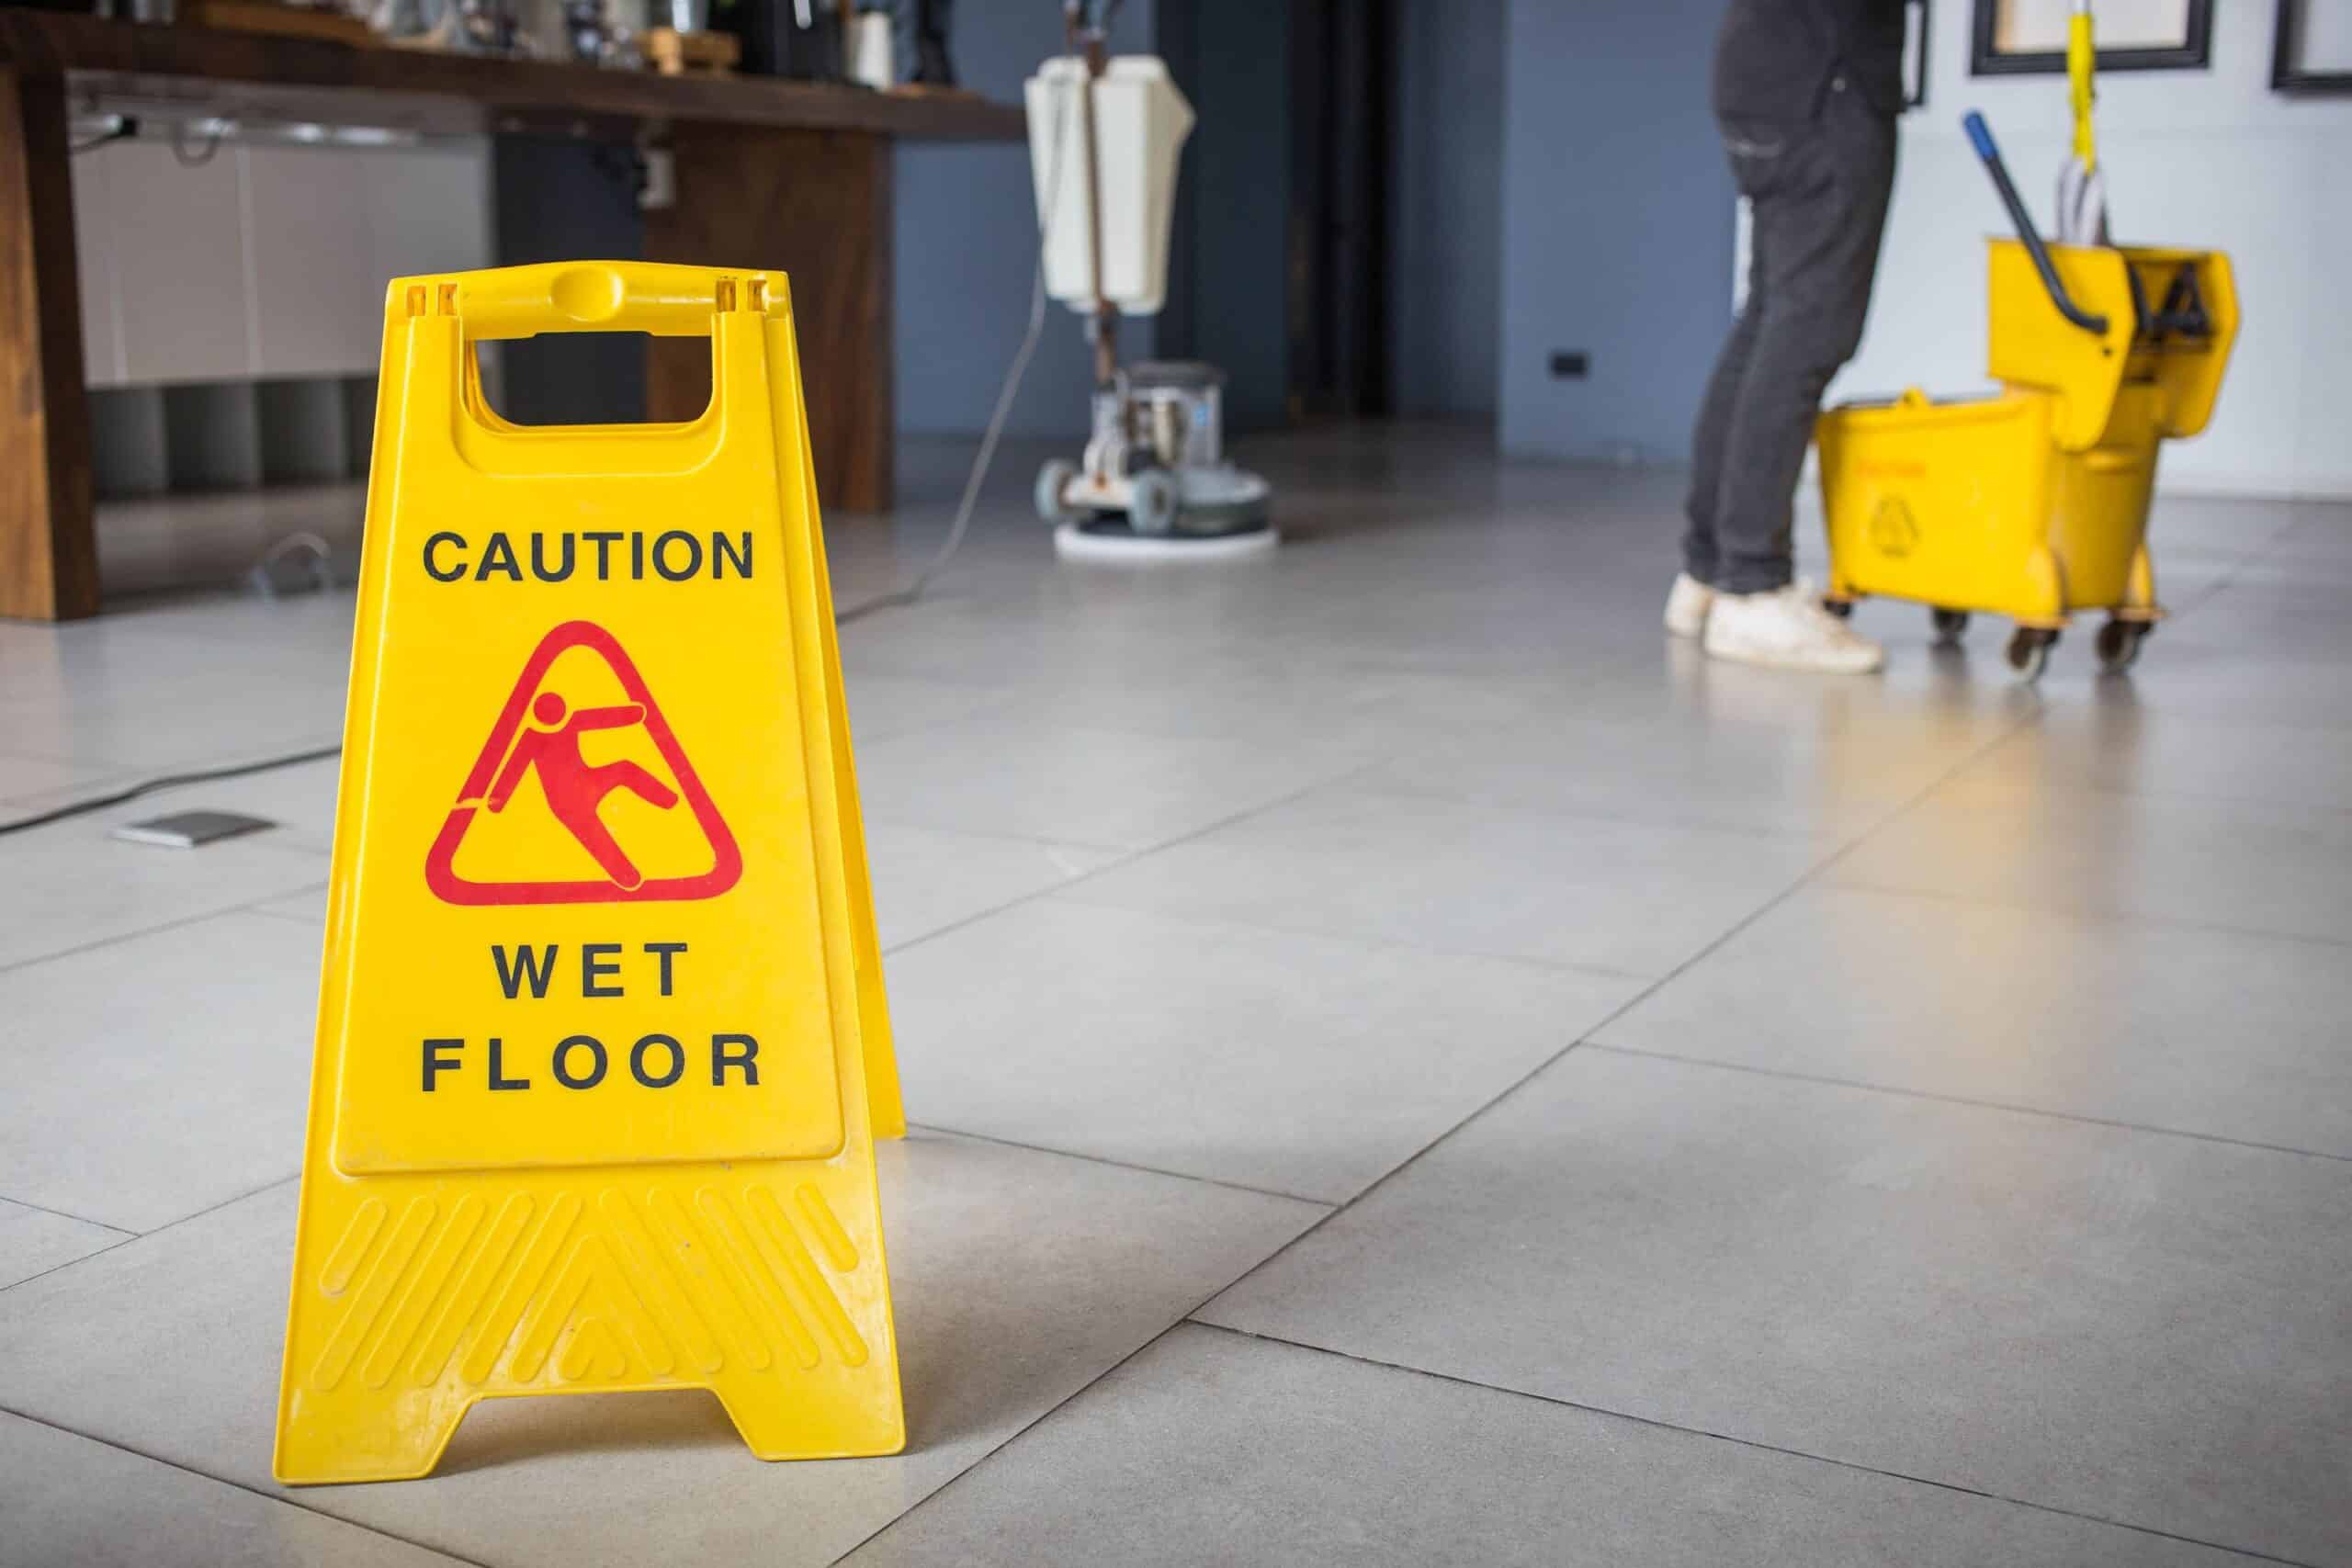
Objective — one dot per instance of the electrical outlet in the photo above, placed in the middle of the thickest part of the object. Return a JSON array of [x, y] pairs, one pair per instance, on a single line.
[[1568, 366]]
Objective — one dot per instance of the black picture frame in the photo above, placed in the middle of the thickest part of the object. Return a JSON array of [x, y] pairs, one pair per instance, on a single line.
[[2287, 76], [1918, 14], [2193, 54]]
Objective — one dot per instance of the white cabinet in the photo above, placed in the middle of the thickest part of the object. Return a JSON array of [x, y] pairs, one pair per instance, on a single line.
[[266, 260]]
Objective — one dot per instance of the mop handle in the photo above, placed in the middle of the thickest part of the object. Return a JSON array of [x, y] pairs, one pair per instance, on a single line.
[[1981, 135], [2082, 59]]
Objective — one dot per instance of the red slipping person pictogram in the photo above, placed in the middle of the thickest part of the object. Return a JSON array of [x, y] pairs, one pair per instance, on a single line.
[[538, 732]]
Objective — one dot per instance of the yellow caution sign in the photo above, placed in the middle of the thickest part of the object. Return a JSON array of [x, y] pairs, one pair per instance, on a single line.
[[602, 1049]]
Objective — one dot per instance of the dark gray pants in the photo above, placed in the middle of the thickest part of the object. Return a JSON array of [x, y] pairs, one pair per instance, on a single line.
[[1818, 191]]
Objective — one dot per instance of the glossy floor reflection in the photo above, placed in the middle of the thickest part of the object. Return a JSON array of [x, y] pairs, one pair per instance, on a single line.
[[1410, 1065]]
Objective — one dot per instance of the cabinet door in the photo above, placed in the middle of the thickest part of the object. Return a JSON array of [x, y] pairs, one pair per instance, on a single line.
[[174, 237], [319, 309]]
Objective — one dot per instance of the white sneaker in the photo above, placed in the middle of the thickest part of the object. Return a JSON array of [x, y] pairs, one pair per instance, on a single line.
[[1788, 629], [1687, 606]]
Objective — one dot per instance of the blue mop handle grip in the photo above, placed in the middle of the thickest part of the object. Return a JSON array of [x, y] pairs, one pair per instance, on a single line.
[[1981, 135]]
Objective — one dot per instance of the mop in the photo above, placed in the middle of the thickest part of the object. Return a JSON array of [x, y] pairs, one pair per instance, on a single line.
[[2081, 188]]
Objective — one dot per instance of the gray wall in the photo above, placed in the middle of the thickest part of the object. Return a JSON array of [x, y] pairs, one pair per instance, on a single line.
[[1617, 226], [966, 235], [1445, 196]]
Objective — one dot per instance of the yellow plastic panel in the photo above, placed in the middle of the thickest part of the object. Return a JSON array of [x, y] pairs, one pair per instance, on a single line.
[[1942, 503], [590, 1106], [2029, 344], [2190, 370]]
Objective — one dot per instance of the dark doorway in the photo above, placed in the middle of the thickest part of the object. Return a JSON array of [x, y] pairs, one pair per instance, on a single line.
[[1277, 265]]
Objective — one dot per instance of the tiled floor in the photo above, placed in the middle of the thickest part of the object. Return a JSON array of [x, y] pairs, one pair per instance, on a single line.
[[1409, 1068]]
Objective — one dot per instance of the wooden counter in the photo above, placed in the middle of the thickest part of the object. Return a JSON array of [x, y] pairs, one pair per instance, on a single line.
[[792, 176]]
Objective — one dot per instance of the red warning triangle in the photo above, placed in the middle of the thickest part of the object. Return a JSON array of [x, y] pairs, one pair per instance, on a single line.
[[549, 747]]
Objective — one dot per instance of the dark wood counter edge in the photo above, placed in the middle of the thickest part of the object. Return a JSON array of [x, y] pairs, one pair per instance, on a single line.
[[129, 57]]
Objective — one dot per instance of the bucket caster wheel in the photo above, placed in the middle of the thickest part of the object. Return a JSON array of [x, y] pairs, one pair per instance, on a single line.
[[1950, 626], [1841, 608], [2118, 644], [2028, 651], [1052, 483]]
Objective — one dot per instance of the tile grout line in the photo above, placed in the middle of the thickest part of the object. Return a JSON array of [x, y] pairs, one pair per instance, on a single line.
[[122, 1231], [2229, 574], [159, 1230], [1790, 1075], [248, 1488], [13, 964], [1700, 955], [250, 906], [1126, 858], [1390, 1175], [1048, 1414], [1124, 1164], [1661, 1424], [1359, 939], [2088, 915]]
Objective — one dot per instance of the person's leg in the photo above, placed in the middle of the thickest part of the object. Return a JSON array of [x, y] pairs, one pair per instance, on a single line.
[[1817, 232], [1701, 554], [629, 776], [598, 840]]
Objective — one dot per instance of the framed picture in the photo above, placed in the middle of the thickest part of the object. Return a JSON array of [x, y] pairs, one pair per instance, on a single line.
[[2313, 48], [2029, 36]]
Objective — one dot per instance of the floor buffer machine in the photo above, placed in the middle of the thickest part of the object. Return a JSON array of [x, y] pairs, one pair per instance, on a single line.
[[1153, 483]]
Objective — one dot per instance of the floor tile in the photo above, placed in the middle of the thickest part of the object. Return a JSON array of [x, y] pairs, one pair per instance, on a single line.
[[155, 1076], [2278, 617], [925, 880], [1017, 1278], [2192, 1031], [71, 885], [119, 693], [2243, 865], [2125, 1325], [1693, 771], [2153, 751], [1295, 1063], [1114, 789], [1210, 1447], [34, 1241], [310, 905], [31, 784], [71, 1502], [2238, 681], [1457, 876], [881, 705]]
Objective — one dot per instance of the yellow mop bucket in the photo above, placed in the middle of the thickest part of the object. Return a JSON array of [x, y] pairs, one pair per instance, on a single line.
[[2032, 503]]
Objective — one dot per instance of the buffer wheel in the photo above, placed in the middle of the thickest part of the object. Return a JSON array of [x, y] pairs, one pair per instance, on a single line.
[[1152, 501], [2028, 651], [1052, 483], [1950, 626], [2118, 644]]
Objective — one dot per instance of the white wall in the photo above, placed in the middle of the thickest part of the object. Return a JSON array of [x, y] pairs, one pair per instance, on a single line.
[[2212, 159]]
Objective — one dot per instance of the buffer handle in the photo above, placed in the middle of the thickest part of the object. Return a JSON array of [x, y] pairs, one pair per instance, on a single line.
[[590, 297]]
